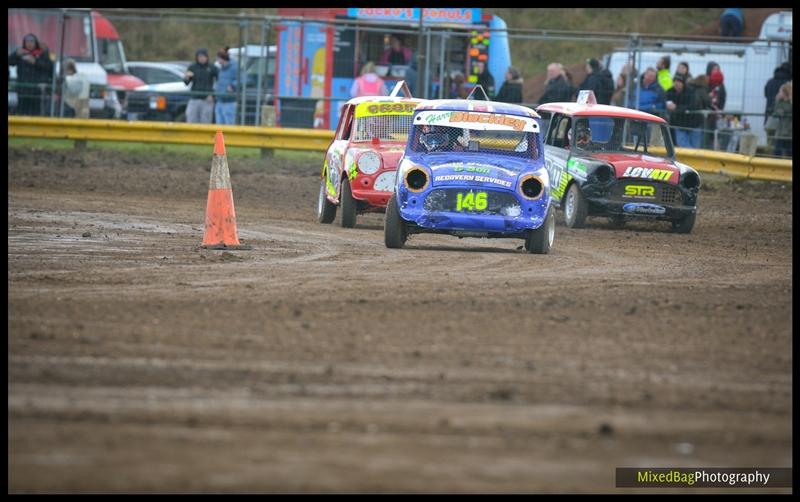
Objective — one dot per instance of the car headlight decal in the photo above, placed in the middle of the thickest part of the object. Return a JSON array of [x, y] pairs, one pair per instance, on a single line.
[[369, 162]]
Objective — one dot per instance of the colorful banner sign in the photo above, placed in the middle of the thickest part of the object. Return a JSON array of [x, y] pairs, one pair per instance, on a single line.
[[430, 15]]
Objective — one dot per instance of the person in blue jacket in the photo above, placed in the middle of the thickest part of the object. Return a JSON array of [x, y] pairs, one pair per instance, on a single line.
[[651, 95], [225, 89], [731, 23]]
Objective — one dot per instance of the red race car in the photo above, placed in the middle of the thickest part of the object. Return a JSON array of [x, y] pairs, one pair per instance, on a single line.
[[359, 171]]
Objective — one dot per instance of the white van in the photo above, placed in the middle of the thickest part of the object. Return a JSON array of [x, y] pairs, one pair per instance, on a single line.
[[746, 67]]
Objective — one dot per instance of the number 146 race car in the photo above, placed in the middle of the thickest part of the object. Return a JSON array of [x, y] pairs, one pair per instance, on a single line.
[[473, 169]]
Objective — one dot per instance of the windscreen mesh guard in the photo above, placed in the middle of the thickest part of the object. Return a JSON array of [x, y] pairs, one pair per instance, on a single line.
[[437, 139], [383, 127]]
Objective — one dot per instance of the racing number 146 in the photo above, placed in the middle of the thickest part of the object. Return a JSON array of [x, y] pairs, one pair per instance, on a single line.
[[471, 201]]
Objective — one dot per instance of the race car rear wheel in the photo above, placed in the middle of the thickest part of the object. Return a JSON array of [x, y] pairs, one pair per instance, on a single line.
[[684, 225], [575, 207], [349, 205], [326, 210], [395, 231], [540, 240]]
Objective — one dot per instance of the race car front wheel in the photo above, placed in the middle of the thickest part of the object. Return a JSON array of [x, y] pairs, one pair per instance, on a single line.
[[684, 225], [348, 204], [395, 232], [575, 207], [326, 210], [540, 240]]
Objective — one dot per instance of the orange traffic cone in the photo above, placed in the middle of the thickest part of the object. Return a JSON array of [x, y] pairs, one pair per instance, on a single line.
[[220, 214]]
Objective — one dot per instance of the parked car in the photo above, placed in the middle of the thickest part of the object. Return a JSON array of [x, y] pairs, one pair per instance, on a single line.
[[358, 175], [165, 95], [256, 59], [618, 163], [473, 169]]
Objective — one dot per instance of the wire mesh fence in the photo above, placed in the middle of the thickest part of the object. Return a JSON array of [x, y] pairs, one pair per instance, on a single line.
[[298, 72]]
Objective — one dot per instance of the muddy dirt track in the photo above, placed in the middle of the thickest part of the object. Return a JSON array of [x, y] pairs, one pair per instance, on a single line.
[[321, 361]]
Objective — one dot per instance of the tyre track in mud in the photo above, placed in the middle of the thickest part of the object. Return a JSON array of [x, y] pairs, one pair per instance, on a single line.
[[321, 360]]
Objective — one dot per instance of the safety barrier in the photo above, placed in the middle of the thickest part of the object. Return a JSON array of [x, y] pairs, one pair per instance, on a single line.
[[733, 164], [270, 138]]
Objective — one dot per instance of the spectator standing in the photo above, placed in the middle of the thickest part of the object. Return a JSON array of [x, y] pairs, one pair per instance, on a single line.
[[76, 91], [731, 23], [783, 110], [780, 76], [457, 89], [369, 83], [681, 102], [202, 76], [683, 69], [664, 77], [511, 90], [34, 75], [651, 94], [711, 66], [716, 89], [556, 87], [598, 81], [397, 53], [485, 79], [699, 87], [225, 89]]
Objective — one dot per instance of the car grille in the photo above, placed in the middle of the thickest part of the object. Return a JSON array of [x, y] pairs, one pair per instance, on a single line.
[[661, 193], [497, 203], [138, 102]]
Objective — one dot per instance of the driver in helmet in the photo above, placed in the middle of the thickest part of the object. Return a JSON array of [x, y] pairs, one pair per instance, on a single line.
[[583, 135], [434, 139]]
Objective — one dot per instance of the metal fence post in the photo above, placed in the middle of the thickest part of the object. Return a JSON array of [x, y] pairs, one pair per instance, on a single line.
[[427, 79], [442, 43], [243, 30], [56, 75], [260, 73], [420, 75]]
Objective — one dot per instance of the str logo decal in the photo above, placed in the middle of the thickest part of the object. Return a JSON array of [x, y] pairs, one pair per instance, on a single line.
[[640, 191]]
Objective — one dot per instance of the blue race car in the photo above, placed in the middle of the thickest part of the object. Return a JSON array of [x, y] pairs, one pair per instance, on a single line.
[[472, 169]]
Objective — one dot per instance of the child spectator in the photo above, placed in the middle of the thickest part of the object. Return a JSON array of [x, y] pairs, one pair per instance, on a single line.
[[369, 83]]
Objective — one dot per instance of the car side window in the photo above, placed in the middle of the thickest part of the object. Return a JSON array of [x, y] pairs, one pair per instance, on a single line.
[[559, 132], [346, 124]]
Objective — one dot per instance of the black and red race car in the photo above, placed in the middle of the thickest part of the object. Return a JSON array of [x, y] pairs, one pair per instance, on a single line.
[[618, 163]]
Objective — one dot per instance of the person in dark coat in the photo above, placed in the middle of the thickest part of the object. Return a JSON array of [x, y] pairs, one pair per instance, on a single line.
[[599, 80], [780, 76], [485, 79], [681, 101], [556, 89], [34, 75], [202, 75], [511, 90]]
